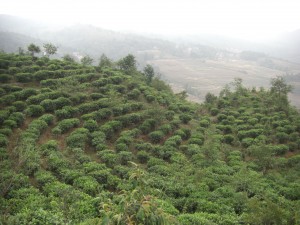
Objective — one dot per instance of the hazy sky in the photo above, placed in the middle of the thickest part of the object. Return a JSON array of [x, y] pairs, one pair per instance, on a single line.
[[250, 19]]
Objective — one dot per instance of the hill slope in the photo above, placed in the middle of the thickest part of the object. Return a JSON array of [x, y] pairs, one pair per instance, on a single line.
[[85, 145]]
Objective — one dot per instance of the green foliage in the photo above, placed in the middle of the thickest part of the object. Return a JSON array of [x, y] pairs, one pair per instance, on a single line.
[[232, 160], [65, 125], [86, 60], [50, 49], [34, 110], [156, 136], [32, 48], [185, 118], [24, 77], [128, 64], [149, 73]]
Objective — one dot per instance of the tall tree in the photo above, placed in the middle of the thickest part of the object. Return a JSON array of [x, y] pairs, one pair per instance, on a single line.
[[68, 58], [149, 73], [50, 49], [86, 60], [279, 90], [105, 62], [32, 48], [128, 64], [279, 87]]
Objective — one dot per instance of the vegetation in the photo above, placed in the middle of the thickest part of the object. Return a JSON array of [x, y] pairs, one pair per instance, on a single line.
[[107, 144]]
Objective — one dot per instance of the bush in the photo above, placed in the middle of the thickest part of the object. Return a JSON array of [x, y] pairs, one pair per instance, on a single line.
[[66, 112], [87, 184], [121, 147], [20, 105], [48, 105], [185, 118], [134, 94], [77, 138], [98, 137], [3, 141], [65, 125], [91, 125], [143, 156], [6, 131], [156, 136], [10, 124], [34, 110], [48, 118], [124, 157], [228, 139], [49, 147], [24, 77], [5, 78]]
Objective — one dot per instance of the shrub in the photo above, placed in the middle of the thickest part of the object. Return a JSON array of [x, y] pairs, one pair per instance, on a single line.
[[18, 117], [6, 131], [5, 78], [108, 157], [87, 184], [48, 105], [13, 70], [156, 136], [134, 94], [43, 178], [24, 77], [34, 110], [91, 125], [66, 112], [107, 130], [20, 105], [143, 156], [204, 123], [3, 141], [49, 147], [48, 118], [98, 137], [61, 102], [280, 149], [10, 124], [185, 118], [77, 138], [65, 125], [124, 157], [121, 147], [228, 139]]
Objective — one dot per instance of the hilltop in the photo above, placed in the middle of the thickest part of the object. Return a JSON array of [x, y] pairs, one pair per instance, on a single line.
[[108, 144]]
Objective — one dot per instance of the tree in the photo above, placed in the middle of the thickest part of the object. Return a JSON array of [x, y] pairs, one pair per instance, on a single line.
[[50, 49], [279, 90], [128, 64], [68, 58], [149, 73], [279, 87], [86, 60], [105, 62], [33, 49]]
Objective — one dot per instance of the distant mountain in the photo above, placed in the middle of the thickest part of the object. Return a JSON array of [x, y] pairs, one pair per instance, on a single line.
[[10, 42], [87, 39]]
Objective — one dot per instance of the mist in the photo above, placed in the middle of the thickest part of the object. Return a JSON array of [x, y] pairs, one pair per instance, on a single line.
[[197, 46], [250, 20]]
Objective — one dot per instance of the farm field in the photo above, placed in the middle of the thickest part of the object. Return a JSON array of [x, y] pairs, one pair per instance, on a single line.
[[199, 76]]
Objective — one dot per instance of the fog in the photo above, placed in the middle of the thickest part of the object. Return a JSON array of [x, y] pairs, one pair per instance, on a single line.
[[251, 20]]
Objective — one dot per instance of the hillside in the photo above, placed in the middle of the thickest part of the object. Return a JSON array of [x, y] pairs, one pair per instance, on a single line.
[[192, 63], [105, 145]]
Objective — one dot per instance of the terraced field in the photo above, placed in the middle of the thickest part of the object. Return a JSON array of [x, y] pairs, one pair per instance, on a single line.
[[90, 145]]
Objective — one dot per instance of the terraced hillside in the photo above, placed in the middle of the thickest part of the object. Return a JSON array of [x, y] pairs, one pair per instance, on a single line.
[[90, 145]]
